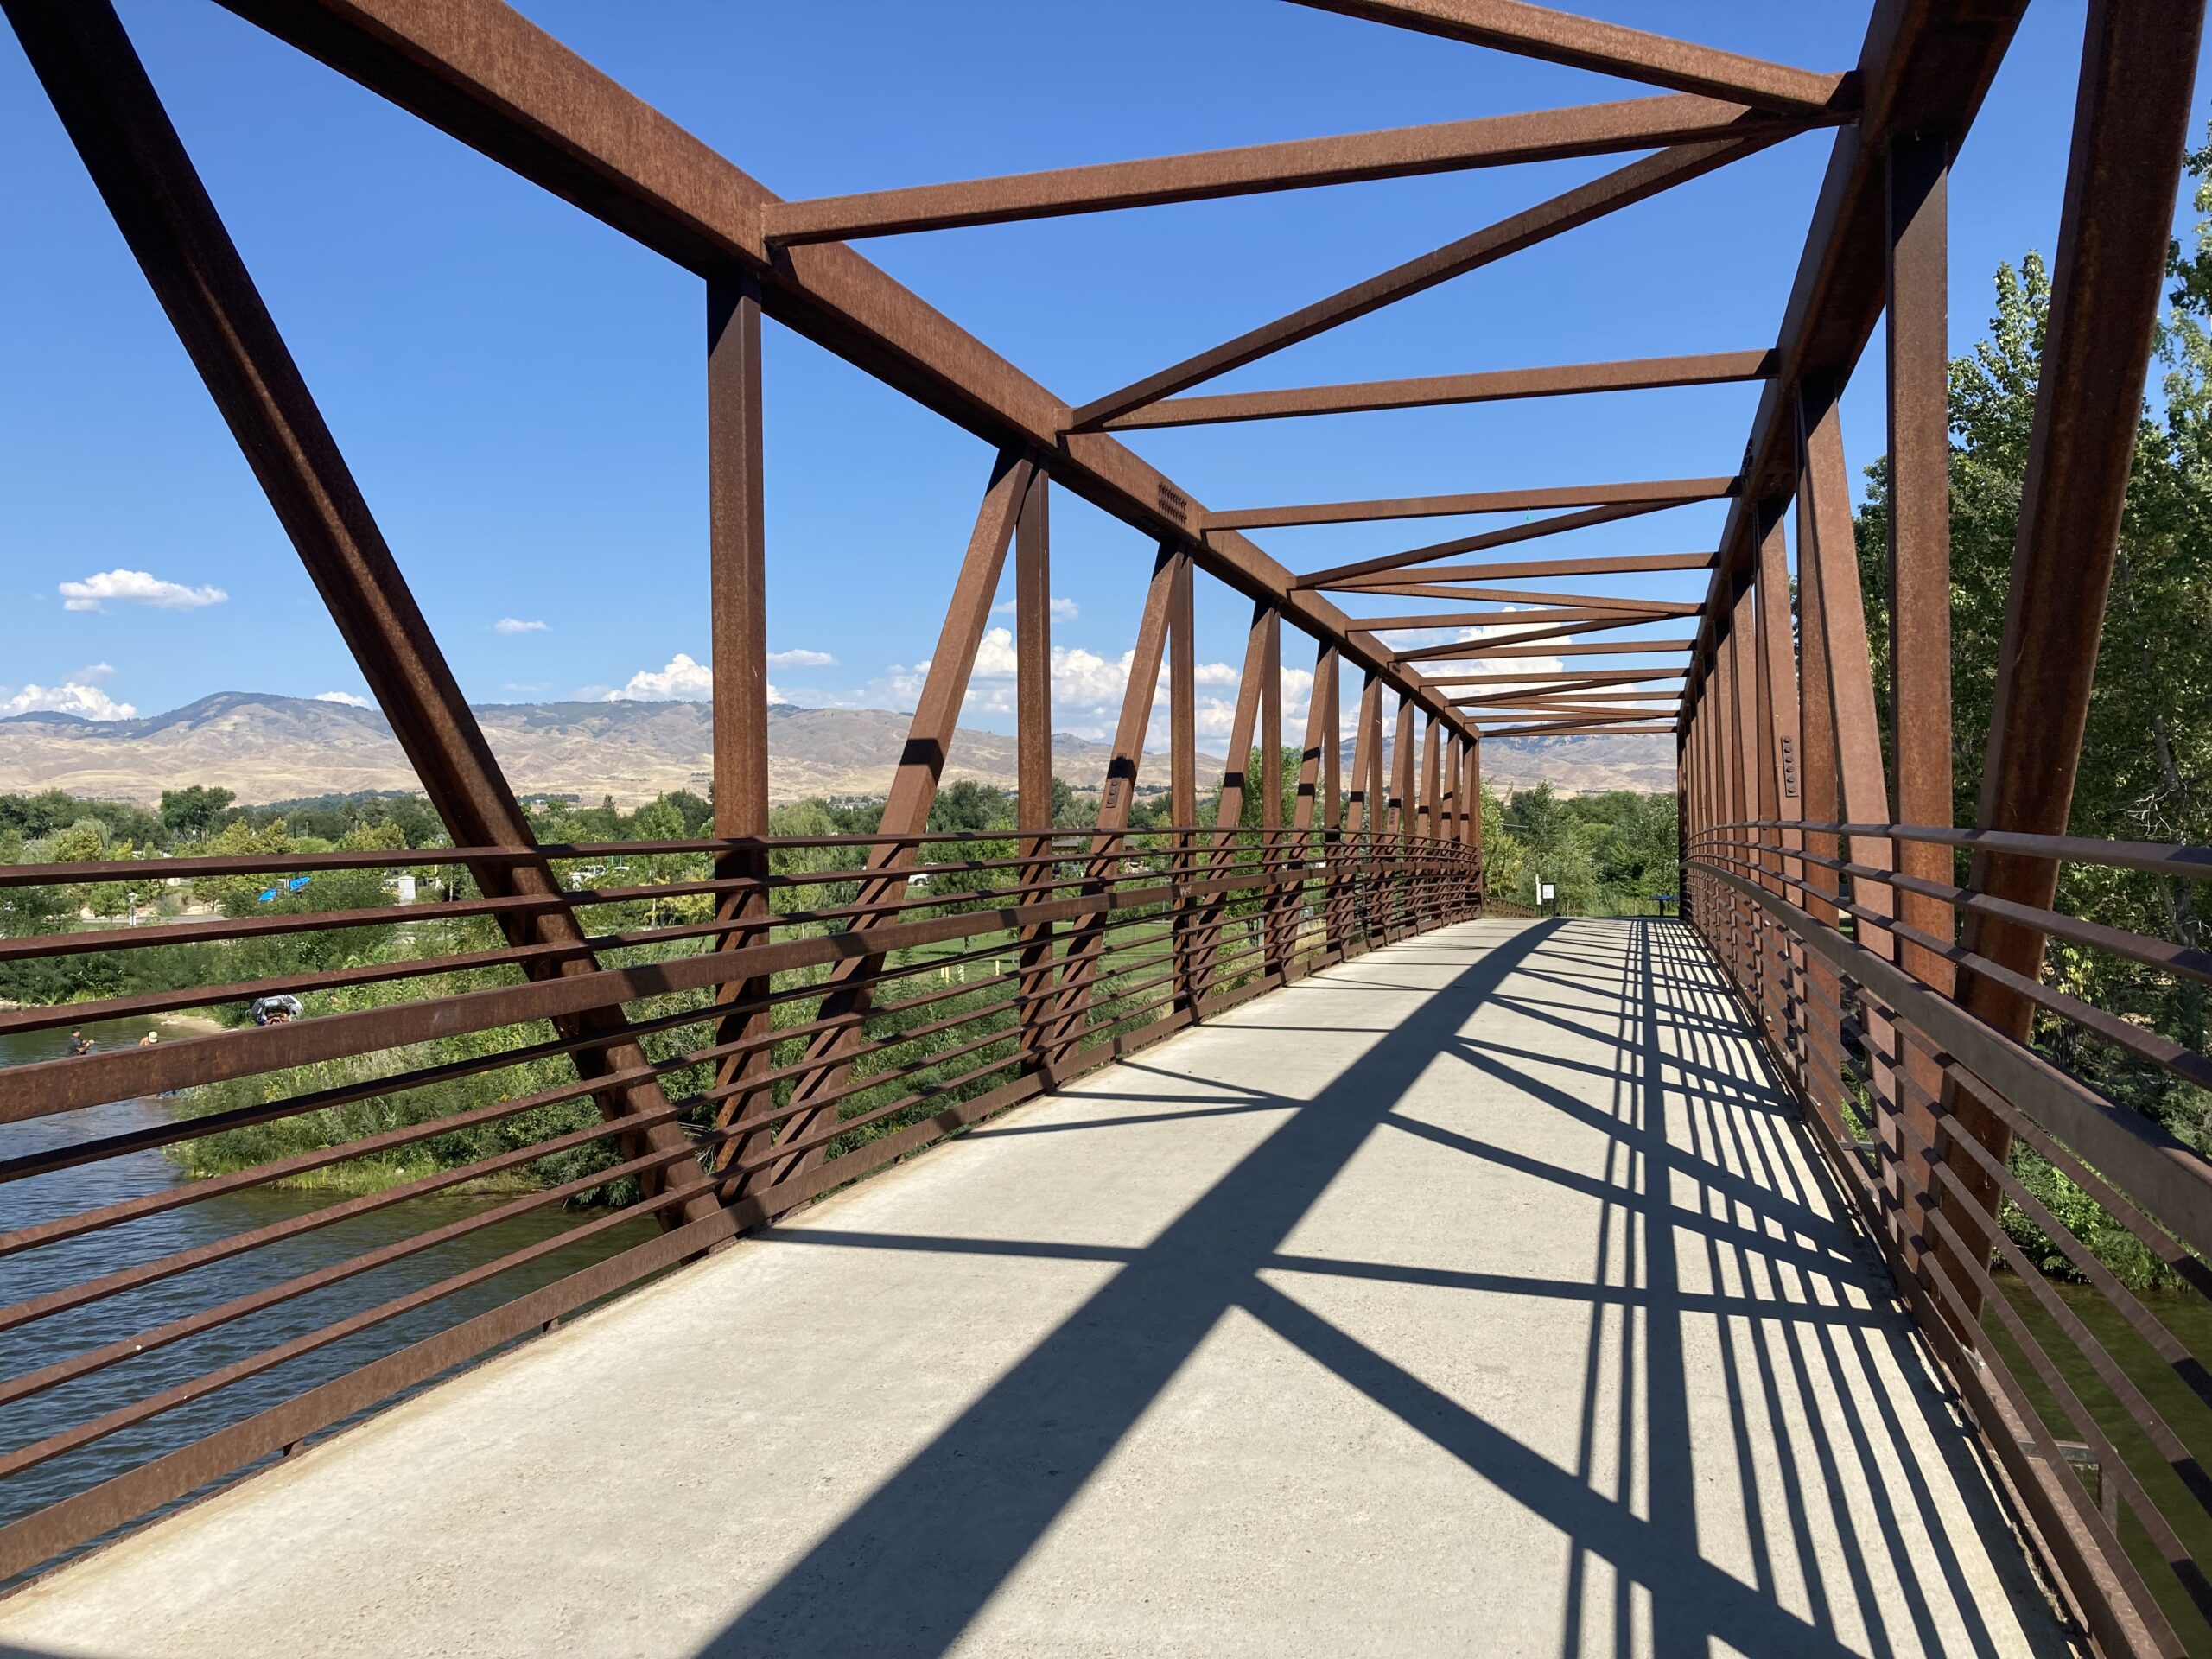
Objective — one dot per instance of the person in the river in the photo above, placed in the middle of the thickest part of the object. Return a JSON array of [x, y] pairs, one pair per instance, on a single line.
[[79, 1043], [150, 1039]]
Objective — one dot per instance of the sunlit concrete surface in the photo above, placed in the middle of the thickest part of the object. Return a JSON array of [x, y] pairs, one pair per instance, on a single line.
[[1477, 1297]]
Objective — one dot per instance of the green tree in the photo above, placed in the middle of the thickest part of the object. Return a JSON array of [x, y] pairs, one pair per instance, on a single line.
[[192, 813]]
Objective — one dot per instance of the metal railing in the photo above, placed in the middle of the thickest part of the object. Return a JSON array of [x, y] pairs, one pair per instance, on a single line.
[[289, 1223], [1934, 1120]]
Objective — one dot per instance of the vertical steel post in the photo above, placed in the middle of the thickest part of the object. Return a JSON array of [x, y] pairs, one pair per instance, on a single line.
[[737, 572], [1304, 837], [1817, 779], [1475, 820], [1431, 823], [2131, 128], [1863, 791], [1032, 645], [1183, 782], [1781, 784], [1273, 851], [1404, 782]]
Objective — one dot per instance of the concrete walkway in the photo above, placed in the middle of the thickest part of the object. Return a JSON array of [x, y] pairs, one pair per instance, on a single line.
[[1468, 1299]]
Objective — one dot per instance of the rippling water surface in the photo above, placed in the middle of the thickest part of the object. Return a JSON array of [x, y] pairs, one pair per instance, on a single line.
[[31, 1347]]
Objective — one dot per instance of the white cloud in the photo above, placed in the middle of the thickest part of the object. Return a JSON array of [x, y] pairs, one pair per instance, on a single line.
[[94, 673], [517, 625], [345, 698], [68, 699], [137, 587], [684, 680], [800, 657]]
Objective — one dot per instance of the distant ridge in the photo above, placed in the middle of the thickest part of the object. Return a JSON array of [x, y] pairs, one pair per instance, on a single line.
[[268, 748]]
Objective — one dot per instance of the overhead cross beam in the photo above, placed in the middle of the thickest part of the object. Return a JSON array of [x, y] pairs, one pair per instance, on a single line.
[[1528, 596], [1383, 582], [1581, 731], [1609, 50], [1509, 535], [1621, 188], [1491, 619], [1650, 494], [1429, 391], [1347, 158], [1475, 649], [1588, 624]]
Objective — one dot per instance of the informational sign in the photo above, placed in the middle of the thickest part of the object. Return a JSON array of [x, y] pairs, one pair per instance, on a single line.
[[1545, 893]]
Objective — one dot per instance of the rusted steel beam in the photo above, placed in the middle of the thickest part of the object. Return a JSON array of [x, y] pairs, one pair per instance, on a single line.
[[1271, 802], [2130, 130], [1572, 729], [1504, 642], [1320, 726], [1475, 813], [1229, 805], [1653, 493], [1616, 565], [1416, 623], [1780, 800], [1182, 702], [1033, 645], [1507, 536], [1476, 650], [1532, 711], [1925, 66], [1646, 608], [481, 72], [1920, 535], [850, 989], [116, 120], [1306, 815], [1271, 847], [1744, 784], [1404, 782], [1817, 779], [1840, 616], [1916, 180], [1611, 49], [1182, 781], [1429, 391], [1586, 601], [1570, 699], [1347, 158], [2131, 127], [1620, 188], [737, 574], [1575, 677]]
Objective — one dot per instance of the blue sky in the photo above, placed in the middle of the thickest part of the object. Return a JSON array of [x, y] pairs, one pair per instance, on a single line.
[[520, 390]]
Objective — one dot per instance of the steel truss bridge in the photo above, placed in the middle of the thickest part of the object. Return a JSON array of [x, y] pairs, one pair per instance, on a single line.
[[1781, 1126]]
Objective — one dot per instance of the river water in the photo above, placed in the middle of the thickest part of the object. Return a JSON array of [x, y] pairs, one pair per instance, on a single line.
[[30, 1347]]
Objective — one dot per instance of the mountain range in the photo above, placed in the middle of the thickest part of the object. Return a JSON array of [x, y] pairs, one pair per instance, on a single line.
[[274, 749]]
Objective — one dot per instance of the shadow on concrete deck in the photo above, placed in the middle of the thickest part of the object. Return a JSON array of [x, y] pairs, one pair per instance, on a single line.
[[907, 1571]]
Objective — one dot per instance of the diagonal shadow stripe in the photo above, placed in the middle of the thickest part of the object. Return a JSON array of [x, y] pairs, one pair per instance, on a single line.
[[907, 1570], [1658, 1553]]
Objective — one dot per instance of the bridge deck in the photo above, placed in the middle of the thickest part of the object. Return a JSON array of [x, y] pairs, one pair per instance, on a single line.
[[1476, 1296]]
